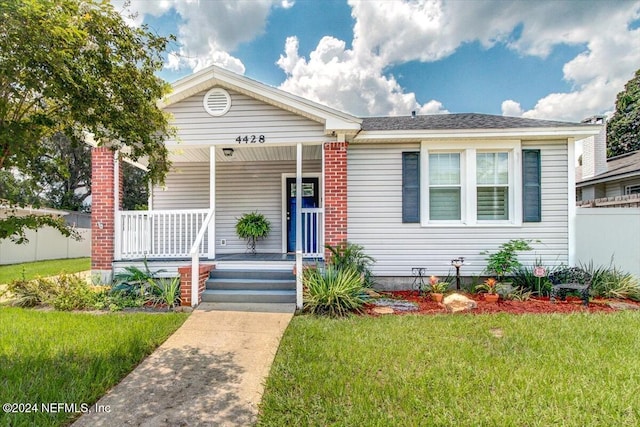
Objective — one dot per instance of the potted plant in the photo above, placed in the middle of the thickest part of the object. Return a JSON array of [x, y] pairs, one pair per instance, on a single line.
[[253, 226], [437, 288], [505, 261], [490, 287]]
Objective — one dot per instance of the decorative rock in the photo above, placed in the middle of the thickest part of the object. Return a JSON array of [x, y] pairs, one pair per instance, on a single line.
[[371, 293], [383, 310], [457, 302], [619, 305]]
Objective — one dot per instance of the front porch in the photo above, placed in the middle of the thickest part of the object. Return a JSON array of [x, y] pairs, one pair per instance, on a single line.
[[221, 188]]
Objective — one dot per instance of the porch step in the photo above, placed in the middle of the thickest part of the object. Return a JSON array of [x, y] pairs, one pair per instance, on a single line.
[[250, 285]]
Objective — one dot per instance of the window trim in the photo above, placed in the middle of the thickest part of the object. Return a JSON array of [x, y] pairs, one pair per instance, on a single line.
[[468, 151]]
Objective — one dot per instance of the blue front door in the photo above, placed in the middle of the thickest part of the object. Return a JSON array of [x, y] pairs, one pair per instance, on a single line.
[[310, 199]]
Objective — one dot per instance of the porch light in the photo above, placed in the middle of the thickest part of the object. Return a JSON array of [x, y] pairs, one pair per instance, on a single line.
[[457, 263], [228, 152]]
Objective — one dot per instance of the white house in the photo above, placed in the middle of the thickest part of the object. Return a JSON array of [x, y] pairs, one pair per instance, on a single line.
[[415, 191]]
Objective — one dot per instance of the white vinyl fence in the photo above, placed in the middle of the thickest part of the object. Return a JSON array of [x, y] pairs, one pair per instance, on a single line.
[[46, 243], [606, 233]]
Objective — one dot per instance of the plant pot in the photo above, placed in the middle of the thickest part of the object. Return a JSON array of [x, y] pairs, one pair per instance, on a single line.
[[437, 297], [492, 298]]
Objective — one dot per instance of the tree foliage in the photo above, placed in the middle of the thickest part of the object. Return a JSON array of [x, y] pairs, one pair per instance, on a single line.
[[74, 66], [623, 129]]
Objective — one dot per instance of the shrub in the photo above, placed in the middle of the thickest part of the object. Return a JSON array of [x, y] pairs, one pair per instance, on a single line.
[[65, 292], [523, 277], [610, 282], [505, 260], [166, 291], [30, 293], [333, 292], [351, 256]]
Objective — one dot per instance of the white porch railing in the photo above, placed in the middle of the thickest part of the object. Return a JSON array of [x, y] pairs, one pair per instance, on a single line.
[[312, 232], [160, 234]]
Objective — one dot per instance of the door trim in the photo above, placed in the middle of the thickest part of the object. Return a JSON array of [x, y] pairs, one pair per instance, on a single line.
[[283, 201]]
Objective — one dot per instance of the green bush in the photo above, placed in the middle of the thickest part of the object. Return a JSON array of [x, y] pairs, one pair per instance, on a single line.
[[351, 256], [30, 293], [64, 292], [611, 282], [523, 277], [166, 291], [333, 292], [505, 262]]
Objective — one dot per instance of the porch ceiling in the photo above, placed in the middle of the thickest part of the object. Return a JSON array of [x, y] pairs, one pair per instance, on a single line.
[[246, 154]]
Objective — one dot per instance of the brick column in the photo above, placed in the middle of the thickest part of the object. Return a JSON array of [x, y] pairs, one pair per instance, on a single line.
[[335, 193], [185, 283], [103, 203]]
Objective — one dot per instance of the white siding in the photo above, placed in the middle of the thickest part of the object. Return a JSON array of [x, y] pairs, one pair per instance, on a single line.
[[243, 187], [186, 187], [247, 116], [375, 216]]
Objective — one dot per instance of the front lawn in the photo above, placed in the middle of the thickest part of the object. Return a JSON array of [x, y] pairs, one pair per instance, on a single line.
[[52, 267], [482, 370], [74, 358]]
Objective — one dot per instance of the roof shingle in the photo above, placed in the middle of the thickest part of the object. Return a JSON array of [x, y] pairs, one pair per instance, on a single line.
[[457, 121]]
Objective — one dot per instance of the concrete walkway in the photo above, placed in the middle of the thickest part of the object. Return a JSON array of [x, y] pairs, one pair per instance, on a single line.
[[210, 372]]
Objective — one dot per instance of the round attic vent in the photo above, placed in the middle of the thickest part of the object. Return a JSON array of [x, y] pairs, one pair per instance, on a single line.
[[217, 102]]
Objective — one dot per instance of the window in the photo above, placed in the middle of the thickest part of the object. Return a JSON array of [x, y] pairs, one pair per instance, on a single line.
[[476, 183], [444, 186], [632, 189], [492, 188]]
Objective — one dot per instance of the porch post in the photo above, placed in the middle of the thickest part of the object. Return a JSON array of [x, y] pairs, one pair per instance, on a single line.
[[335, 193], [106, 202], [299, 226], [212, 203]]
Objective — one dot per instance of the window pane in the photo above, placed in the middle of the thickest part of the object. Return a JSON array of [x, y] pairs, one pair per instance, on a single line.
[[492, 168], [493, 203], [444, 203], [444, 169]]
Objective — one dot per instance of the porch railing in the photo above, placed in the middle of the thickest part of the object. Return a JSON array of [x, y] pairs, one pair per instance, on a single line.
[[312, 232], [159, 234]]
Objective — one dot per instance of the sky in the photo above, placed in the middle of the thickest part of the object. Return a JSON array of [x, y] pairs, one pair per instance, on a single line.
[[559, 60]]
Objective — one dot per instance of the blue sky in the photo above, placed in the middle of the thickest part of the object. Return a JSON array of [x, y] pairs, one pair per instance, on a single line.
[[561, 60]]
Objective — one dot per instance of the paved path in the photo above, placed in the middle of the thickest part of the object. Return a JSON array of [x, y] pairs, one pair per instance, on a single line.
[[210, 372]]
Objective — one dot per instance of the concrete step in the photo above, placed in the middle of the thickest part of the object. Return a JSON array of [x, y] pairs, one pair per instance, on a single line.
[[266, 274], [249, 284], [249, 296]]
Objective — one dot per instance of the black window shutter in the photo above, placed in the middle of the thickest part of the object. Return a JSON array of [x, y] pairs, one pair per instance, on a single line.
[[531, 188], [410, 187]]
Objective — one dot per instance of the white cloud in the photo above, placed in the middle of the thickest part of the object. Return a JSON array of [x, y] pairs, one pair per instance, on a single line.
[[209, 30], [388, 33], [511, 108], [335, 76]]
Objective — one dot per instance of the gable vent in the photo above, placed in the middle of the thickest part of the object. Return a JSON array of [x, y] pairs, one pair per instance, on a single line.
[[217, 102]]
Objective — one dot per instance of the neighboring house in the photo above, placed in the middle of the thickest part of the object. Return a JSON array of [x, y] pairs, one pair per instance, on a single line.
[[600, 177], [415, 191]]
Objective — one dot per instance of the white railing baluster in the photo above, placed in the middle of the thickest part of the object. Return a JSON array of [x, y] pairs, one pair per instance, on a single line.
[[160, 234]]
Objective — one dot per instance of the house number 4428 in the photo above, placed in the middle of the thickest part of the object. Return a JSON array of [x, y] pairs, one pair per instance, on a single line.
[[250, 139]]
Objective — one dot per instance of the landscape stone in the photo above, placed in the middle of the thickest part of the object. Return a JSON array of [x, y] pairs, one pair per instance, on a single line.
[[383, 310], [457, 302]]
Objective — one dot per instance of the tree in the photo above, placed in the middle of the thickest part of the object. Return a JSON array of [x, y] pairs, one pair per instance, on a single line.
[[135, 188], [75, 65], [623, 129]]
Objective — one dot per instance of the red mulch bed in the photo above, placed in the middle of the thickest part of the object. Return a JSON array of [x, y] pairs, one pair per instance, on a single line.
[[533, 305]]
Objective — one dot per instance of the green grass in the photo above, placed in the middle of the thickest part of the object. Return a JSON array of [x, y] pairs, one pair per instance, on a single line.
[[43, 268], [71, 357], [480, 370]]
